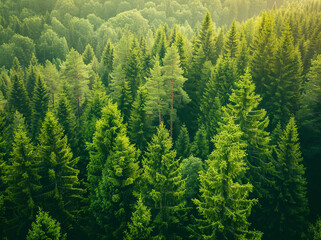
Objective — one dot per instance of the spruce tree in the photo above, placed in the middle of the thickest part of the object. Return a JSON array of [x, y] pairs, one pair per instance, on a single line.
[[61, 192], [243, 57], [22, 179], [107, 63], [33, 73], [138, 127], [182, 144], [244, 109], [88, 55], [139, 228], [18, 97], [45, 228], [231, 46], [163, 186], [200, 145], [289, 203], [160, 44], [207, 38], [224, 203], [40, 104]]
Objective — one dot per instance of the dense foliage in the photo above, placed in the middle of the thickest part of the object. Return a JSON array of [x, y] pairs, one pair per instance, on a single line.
[[160, 119]]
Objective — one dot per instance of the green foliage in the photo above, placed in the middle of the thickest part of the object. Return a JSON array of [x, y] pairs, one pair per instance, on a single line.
[[163, 186], [88, 55], [315, 230], [45, 228], [139, 227], [290, 205], [206, 37], [182, 144], [106, 63], [61, 192], [200, 145], [231, 47], [32, 74], [224, 203]]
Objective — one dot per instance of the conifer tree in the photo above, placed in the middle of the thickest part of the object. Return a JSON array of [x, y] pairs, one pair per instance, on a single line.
[[231, 46], [114, 169], [22, 179], [45, 228], [242, 59], [156, 103], [16, 67], [40, 103], [173, 81], [285, 90], [244, 109], [207, 38], [139, 228], [163, 186], [18, 98], [289, 203], [125, 100], [32, 75], [182, 144], [180, 43], [138, 127], [160, 43], [68, 122], [88, 55], [61, 192], [224, 203], [219, 45], [107, 63], [200, 145]]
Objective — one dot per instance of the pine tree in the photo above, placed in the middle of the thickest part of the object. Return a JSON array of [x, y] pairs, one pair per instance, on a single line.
[[163, 186], [182, 144], [244, 109], [40, 104], [45, 228], [231, 46], [243, 57], [125, 100], [68, 122], [61, 192], [18, 98], [173, 81], [206, 37], [200, 145], [107, 62], [32, 75], [156, 103], [159, 47], [138, 127], [139, 228], [88, 55], [286, 87], [22, 179], [224, 201], [289, 204], [114, 168]]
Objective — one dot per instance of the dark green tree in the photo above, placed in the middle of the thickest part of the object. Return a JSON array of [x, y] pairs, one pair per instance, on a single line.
[[106, 63], [200, 147], [182, 144], [290, 204], [160, 44], [61, 192], [163, 186], [45, 228], [40, 104], [231, 45], [88, 55], [33, 73], [138, 127], [224, 202], [207, 38]]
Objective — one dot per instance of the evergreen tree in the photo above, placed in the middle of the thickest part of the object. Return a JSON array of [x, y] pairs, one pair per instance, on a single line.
[[112, 173], [22, 179], [125, 100], [61, 191], [106, 63], [88, 55], [138, 128], [173, 81], [182, 144], [156, 103], [244, 109], [32, 75], [207, 38], [40, 105], [139, 227], [224, 201], [45, 228], [180, 43], [163, 186], [231, 46], [68, 122], [242, 59], [200, 145], [18, 98], [159, 47], [284, 93], [289, 203]]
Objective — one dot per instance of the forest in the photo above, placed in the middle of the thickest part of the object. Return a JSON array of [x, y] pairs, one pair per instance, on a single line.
[[160, 119]]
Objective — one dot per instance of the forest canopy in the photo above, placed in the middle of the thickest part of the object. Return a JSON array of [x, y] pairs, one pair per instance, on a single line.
[[186, 119]]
